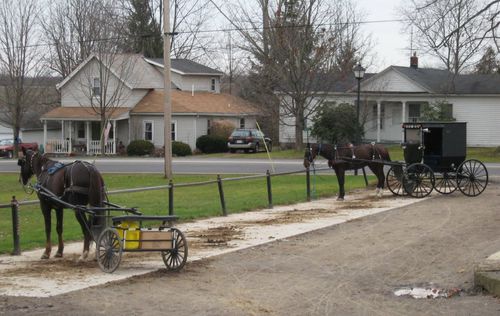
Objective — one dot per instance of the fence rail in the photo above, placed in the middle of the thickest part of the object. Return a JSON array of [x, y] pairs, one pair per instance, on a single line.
[[14, 204]]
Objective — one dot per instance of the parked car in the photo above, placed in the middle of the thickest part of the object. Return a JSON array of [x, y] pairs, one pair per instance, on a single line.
[[248, 139], [7, 147]]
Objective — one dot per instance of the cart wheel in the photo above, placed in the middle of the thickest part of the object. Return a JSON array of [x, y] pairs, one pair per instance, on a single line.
[[394, 180], [419, 180], [472, 177], [176, 257], [109, 249], [446, 183]]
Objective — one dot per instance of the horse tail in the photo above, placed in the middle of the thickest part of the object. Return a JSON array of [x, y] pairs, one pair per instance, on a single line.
[[384, 153]]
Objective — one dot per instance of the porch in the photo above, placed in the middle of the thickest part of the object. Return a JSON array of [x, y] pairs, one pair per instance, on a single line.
[[82, 138]]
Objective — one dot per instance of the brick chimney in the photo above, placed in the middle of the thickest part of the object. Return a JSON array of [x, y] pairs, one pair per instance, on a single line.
[[414, 61]]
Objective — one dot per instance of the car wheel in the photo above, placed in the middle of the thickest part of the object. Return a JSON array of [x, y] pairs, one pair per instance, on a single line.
[[256, 148], [270, 147], [10, 154]]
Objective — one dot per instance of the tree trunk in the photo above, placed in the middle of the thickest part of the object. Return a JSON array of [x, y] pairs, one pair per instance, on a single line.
[[299, 130]]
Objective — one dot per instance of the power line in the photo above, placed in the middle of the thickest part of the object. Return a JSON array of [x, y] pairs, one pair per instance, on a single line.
[[232, 29]]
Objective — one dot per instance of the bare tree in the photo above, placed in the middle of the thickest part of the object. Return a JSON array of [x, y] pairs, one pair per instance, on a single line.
[[20, 64], [74, 28], [451, 30], [293, 44]]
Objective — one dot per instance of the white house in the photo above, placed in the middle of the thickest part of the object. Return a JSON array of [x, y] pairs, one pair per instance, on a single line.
[[397, 95], [138, 111]]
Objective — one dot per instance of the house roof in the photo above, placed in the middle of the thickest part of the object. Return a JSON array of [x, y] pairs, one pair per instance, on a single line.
[[82, 113], [186, 67], [336, 82], [443, 81], [200, 102], [132, 69]]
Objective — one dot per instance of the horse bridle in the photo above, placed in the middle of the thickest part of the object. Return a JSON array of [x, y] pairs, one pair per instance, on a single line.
[[28, 188]]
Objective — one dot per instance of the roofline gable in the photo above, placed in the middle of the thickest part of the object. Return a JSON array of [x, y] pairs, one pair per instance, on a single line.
[[387, 70], [83, 64]]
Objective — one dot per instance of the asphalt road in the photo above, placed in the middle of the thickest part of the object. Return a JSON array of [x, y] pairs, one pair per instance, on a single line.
[[196, 165]]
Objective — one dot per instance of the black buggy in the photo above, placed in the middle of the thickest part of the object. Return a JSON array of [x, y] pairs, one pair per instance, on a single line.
[[434, 154]]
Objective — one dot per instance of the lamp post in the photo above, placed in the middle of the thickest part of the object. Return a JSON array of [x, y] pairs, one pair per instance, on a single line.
[[359, 73]]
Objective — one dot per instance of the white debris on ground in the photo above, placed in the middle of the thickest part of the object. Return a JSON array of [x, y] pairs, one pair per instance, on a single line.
[[28, 275], [432, 292]]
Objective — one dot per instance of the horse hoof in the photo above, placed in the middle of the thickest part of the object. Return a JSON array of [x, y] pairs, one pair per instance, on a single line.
[[340, 199], [45, 256], [58, 255]]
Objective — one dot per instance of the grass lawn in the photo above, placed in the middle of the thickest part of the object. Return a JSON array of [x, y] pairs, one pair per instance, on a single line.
[[189, 202]]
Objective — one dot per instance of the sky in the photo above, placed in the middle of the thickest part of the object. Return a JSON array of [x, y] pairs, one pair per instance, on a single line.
[[390, 45]]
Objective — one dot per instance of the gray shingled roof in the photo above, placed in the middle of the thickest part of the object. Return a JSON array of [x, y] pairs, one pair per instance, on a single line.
[[443, 81], [336, 82], [187, 66]]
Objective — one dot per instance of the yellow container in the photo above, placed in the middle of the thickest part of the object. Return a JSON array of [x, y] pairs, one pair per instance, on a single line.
[[130, 233]]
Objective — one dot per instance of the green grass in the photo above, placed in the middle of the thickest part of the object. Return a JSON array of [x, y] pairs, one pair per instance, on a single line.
[[189, 202]]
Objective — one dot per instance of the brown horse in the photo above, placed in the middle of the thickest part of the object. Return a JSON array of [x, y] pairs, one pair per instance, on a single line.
[[77, 183], [350, 157]]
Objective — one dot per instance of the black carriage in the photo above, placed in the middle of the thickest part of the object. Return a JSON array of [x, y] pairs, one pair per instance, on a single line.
[[435, 158]]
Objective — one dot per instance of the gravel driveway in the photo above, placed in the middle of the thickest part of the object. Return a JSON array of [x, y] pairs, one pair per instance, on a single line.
[[348, 269]]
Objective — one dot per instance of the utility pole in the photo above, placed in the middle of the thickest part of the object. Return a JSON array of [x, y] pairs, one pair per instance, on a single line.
[[167, 109]]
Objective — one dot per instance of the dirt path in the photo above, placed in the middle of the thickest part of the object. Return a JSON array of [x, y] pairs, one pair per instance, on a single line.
[[349, 269]]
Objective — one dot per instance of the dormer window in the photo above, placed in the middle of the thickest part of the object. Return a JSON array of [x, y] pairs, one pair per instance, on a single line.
[[96, 87], [212, 86]]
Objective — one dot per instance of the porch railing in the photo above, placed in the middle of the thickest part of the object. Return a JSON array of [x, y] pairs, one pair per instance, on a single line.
[[57, 146], [95, 147]]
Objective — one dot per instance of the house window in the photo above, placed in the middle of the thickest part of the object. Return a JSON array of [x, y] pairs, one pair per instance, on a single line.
[[173, 130], [80, 130], [212, 86], [242, 123], [148, 130], [447, 111], [96, 87], [414, 112]]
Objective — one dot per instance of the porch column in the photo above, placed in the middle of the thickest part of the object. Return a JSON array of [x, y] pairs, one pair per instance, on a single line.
[[70, 149], [114, 137], [378, 120], [403, 119], [45, 136], [62, 131], [88, 135]]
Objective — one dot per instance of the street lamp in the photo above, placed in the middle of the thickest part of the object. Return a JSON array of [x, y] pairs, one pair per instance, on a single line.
[[359, 73]]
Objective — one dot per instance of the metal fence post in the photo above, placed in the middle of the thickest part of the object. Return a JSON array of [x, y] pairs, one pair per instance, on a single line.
[[171, 197], [221, 194], [364, 175], [15, 226], [308, 184], [269, 192]]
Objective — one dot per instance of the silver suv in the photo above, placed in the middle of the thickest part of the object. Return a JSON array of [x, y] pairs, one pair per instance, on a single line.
[[248, 139]]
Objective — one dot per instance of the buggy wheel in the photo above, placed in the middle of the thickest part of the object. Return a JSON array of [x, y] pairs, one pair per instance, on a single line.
[[472, 177], [394, 180], [446, 183], [176, 257], [109, 249], [419, 180]]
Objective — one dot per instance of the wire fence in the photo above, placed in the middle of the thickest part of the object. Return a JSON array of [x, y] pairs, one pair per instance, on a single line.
[[15, 205]]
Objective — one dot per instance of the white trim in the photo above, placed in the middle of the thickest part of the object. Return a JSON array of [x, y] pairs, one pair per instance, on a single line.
[[152, 130]]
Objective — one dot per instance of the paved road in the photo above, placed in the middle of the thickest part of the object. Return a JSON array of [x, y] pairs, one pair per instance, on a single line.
[[200, 165]]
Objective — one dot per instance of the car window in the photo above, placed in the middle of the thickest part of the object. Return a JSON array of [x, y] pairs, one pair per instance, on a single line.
[[241, 133], [5, 142]]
